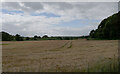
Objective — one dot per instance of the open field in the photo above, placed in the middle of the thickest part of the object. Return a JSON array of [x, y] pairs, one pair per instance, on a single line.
[[56, 55]]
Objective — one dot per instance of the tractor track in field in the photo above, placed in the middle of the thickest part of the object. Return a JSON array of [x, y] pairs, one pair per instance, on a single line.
[[67, 45]]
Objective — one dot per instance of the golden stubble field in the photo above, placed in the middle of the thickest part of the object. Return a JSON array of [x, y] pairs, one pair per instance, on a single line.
[[56, 55]]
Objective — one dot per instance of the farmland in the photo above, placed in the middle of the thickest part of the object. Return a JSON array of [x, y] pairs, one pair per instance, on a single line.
[[57, 55]]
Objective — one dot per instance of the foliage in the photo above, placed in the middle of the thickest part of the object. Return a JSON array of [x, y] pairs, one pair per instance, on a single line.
[[18, 37], [6, 36], [109, 28], [45, 36], [35, 37], [27, 38]]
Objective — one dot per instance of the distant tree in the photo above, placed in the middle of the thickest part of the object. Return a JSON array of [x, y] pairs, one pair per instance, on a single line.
[[35, 37], [45, 36], [27, 38], [59, 38], [39, 37], [18, 37], [67, 38]]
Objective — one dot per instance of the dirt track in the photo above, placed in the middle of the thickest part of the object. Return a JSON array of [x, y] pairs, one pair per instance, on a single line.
[[56, 55]]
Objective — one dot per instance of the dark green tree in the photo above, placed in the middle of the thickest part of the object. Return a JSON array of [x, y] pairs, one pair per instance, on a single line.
[[92, 33], [18, 37], [27, 38], [6, 36], [35, 37], [109, 28], [39, 37], [45, 36]]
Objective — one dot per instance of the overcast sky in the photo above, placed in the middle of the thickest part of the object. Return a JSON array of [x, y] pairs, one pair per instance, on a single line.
[[54, 18]]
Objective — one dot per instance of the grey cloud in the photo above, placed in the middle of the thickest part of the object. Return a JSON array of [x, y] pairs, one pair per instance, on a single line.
[[84, 8], [26, 6], [11, 5], [33, 5], [10, 27], [95, 10], [61, 5]]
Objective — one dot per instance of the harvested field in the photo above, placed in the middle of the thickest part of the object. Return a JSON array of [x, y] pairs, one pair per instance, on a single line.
[[56, 55]]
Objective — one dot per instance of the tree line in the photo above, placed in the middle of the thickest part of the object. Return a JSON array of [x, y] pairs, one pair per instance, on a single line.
[[8, 37]]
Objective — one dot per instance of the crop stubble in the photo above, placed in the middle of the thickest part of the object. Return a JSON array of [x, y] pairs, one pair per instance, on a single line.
[[56, 55]]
